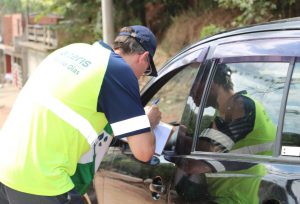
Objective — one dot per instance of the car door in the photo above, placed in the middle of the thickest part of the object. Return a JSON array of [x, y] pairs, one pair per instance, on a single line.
[[123, 179], [246, 151]]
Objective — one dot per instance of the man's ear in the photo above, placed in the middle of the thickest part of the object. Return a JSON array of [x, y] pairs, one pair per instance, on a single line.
[[144, 56]]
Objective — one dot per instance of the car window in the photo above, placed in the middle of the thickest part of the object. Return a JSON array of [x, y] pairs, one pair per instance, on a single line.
[[291, 128], [174, 93], [186, 129], [172, 98], [242, 108]]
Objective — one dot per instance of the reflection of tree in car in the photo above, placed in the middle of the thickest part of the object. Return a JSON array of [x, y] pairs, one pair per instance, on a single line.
[[240, 125]]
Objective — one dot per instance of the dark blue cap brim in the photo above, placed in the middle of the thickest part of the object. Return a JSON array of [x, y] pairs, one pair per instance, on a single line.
[[152, 68]]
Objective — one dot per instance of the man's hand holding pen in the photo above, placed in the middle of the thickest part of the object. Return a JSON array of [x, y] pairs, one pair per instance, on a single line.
[[153, 113]]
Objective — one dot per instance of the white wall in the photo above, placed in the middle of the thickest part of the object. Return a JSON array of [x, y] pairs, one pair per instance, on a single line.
[[34, 57]]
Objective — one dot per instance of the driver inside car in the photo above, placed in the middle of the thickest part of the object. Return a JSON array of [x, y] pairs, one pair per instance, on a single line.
[[239, 125]]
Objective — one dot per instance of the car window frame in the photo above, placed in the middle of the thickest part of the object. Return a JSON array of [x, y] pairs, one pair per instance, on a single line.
[[171, 68], [277, 147], [258, 47], [296, 60]]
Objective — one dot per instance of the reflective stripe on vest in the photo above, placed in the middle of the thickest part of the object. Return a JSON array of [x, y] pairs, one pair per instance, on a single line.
[[263, 128], [254, 149], [130, 125], [70, 116], [219, 167], [83, 126], [218, 136]]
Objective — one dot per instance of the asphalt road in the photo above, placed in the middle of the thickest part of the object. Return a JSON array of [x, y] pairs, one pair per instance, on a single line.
[[8, 95]]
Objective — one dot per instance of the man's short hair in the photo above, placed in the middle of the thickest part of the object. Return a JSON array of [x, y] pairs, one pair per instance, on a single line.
[[138, 39], [223, 77], [126, 43]]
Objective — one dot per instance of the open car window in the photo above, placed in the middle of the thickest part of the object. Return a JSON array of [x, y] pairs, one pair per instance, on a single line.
[[173, 95]]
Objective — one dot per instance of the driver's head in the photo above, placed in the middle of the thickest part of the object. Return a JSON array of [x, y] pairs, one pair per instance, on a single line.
[[222, 80], [223, 77]]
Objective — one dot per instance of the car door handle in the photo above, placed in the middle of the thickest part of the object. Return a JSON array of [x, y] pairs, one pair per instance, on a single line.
[[157, 188], [156, 185]]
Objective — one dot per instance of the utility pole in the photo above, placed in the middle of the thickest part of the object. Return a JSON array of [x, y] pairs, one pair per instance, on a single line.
[[107, 21], [26, 19]]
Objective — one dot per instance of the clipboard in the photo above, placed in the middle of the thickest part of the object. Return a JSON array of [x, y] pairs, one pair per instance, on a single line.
[[161, 132]]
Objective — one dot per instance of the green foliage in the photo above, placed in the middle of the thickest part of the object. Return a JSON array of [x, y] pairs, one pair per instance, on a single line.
[[174, 8], [10, 6], [156, 14], [252, 11], [209, 30], [257, 11], [129, 12], [83, 17], [80, 20], [37, 6]]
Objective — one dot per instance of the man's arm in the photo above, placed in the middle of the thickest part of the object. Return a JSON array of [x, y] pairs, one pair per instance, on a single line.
[[119, 99], [143, 145]]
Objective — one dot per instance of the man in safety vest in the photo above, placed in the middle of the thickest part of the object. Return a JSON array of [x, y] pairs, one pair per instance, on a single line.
[[58, 118]]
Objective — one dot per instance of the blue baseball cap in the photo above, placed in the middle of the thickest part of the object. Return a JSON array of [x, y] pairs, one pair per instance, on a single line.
[[147, 40]]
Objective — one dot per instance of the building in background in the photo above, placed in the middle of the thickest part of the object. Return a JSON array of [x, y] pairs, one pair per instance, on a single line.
[[25, 43], [12, 30]]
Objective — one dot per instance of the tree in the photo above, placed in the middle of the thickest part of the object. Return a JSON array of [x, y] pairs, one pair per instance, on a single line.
[[257, 11], [10, 6]]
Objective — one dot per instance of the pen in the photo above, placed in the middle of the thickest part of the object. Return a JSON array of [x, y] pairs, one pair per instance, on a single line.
[[156, 101]]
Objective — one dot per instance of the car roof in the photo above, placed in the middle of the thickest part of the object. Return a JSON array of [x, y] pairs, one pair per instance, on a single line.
[[283, 24]]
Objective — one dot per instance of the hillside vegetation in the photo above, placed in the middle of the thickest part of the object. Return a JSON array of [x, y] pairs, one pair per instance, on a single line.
[[190, 27]]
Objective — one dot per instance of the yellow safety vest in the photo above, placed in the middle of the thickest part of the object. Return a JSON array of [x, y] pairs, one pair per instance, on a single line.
[[261, 139], [243, 186], [54, 122]]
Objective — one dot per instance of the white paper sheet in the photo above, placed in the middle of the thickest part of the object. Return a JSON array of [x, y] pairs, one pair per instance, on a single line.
[[162, 132]]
